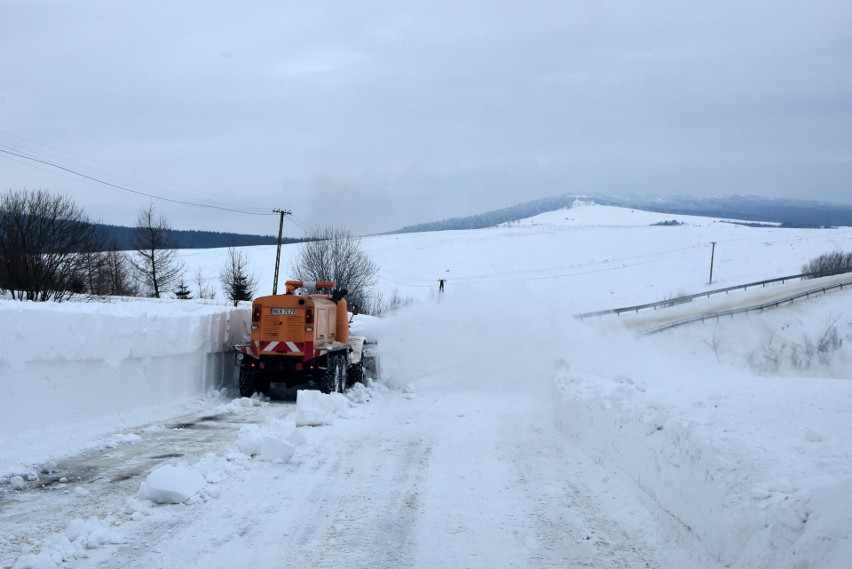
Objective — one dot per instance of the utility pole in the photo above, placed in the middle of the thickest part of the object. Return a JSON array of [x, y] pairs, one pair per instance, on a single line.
[[278, 253], [712, 256]]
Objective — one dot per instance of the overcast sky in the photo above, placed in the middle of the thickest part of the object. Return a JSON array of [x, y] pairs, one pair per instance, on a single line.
[[375, 115]]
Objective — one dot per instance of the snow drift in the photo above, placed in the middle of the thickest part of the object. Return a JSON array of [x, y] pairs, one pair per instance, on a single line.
[[106, 364]]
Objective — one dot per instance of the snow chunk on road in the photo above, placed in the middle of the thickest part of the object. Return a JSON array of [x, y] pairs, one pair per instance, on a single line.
[[265, 445], [91, 533], [314, 409], [273, 449], [238, 405], [71, 544], [171, 484]]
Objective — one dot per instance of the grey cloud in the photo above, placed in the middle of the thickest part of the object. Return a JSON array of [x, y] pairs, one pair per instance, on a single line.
[[430, 110]]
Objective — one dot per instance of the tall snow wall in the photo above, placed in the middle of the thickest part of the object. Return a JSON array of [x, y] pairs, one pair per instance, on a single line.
[[72, 363], [722, 491]]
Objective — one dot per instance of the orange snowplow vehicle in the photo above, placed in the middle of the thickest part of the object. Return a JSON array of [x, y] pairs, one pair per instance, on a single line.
[[300, 338]]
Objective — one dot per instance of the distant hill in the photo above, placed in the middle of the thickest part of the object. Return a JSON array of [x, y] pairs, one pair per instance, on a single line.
[[789, 213], [183, 239]]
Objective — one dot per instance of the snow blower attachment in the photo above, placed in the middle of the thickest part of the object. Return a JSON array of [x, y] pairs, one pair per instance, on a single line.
[[301, 338]]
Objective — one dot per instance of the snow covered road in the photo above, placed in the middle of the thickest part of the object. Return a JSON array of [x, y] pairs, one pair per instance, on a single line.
[[735, 300], [432, 479], [456, 482]]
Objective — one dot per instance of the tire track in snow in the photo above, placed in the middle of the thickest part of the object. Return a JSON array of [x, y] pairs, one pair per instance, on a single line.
[[362, 515], [506, 491], [440, 479], [571, 527]]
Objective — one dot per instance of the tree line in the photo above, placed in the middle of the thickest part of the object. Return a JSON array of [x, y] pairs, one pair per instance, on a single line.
[[50, 251], [194, 239]]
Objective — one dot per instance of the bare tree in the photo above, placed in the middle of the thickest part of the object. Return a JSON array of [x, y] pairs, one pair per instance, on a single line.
[[96, 272], [833, 263], [379, 305], [46, 243], [336, 254], [237, 284], [154, 260], [109, 273], [200, 281], [117, 273]]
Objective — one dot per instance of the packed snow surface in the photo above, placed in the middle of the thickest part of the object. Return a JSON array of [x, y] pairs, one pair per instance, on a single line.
[[503, 432]]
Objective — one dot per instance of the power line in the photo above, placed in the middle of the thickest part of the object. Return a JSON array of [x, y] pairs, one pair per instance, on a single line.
[[101, 170], [124, 188], [301, 224]]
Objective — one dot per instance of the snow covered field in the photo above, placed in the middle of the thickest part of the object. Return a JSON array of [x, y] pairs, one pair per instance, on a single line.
[[504, 433]]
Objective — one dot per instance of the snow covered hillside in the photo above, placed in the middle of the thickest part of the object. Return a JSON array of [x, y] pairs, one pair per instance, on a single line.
[[504, 433]]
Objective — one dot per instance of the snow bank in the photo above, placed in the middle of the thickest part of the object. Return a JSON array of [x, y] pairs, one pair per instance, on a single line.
[[89, 368], [703, 458]]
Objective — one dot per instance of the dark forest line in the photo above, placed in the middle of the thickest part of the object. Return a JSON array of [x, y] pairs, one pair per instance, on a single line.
[[191, 239]]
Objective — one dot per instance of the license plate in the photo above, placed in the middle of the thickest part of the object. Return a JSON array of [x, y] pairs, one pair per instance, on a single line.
[[283, 311]]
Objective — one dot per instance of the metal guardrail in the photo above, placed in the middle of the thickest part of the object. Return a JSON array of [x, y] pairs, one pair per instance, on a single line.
[[691, 297], [758, 307]]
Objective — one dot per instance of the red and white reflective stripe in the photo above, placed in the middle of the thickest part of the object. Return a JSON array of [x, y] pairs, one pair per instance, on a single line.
[[280, 347], [268, 348]]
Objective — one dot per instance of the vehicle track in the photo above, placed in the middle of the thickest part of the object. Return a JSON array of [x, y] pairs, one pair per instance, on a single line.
[[440, 479]]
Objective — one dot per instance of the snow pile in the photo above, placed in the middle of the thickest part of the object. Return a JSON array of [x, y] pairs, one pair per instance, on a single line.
[[171, 484], [81, 535], [276, 441], [695, 452], [314, 409], [17, 483], [236, 405], [182, 483], [361, 393], [270, 444]]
